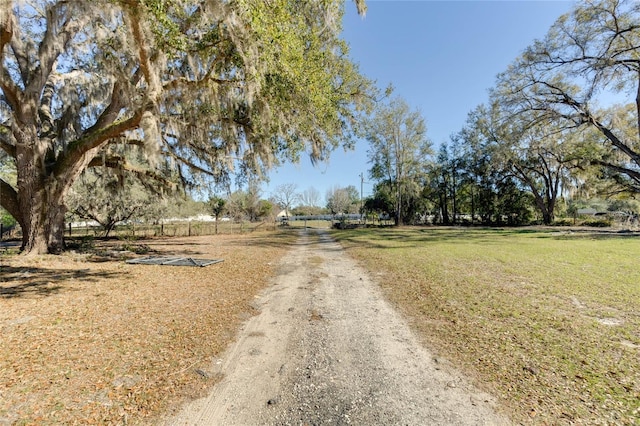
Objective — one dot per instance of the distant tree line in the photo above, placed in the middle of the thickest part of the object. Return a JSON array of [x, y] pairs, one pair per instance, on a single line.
[[561, 131]]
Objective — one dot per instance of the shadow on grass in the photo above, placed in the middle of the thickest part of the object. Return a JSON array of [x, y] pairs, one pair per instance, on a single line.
[[602, 234], [31, 281], [384, 238]]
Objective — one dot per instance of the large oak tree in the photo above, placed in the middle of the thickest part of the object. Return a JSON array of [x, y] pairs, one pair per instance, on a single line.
[[194, 86], [589, 57]]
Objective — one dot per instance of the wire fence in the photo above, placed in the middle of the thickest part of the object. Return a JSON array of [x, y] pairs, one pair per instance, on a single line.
[[171, 229], [142, 230], [190, 228]]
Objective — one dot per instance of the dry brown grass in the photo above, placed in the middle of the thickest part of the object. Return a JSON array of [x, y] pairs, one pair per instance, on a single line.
[[88, 339]]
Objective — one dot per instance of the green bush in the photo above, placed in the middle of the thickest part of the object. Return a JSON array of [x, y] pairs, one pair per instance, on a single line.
[[598, 223], [564, 221]]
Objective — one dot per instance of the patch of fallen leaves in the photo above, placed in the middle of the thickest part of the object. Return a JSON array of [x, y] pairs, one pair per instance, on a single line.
[[89, 339]]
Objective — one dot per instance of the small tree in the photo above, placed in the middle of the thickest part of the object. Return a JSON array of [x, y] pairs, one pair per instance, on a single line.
[[311, 199], [265, 209], [380, 202], [286, 196], [217, 206], [342, 200], [236, 206], [109, 199]]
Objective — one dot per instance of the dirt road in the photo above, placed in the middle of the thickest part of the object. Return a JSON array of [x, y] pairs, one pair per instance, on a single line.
[[326, 349]]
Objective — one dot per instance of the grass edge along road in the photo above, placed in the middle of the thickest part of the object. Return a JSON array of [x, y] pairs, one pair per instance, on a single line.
[[547, 320]]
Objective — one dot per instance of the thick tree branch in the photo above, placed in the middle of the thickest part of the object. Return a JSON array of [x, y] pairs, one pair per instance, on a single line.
[[134, 15], [7, 22], [12, 93], [78, 148], [633, 174], [102, 130], [45, 115], [18, 48], [65, 119], [120, 163], [9, 199], [585, 116], [111, 112], [5, 141], [615, 141]]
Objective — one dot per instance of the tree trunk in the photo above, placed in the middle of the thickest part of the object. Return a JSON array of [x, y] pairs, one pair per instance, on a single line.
[[473, 207], [545, 208], [31, 195], [444, 205], [454, 195], [399, 208], [40, 197], [55, 225], [108, 227], [42, 221]]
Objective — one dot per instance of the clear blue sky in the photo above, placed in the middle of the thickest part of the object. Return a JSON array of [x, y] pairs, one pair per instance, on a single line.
[[440, 56]]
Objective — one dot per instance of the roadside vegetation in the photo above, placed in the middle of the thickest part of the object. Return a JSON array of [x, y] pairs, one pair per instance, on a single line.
[[547, 320]]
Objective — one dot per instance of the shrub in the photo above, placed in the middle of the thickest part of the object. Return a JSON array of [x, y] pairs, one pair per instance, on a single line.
[[6, 219], [598, 223]]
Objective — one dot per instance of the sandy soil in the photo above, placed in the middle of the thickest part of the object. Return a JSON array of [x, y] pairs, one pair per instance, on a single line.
[[327, 349]]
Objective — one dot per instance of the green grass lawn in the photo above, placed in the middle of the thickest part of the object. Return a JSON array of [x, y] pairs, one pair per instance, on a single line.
[[548, 320]]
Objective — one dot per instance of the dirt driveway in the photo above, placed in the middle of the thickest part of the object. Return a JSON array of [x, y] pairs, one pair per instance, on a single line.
[[326, 349]]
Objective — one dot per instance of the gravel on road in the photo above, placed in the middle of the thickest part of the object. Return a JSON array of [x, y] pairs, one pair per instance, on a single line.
[[327, 349]]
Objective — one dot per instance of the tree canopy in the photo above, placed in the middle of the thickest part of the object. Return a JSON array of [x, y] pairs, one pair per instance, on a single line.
[[194, 88], [342, 200], [588, 57]]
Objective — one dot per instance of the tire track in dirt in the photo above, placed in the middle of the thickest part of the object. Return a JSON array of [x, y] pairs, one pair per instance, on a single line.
[[327, 349]]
